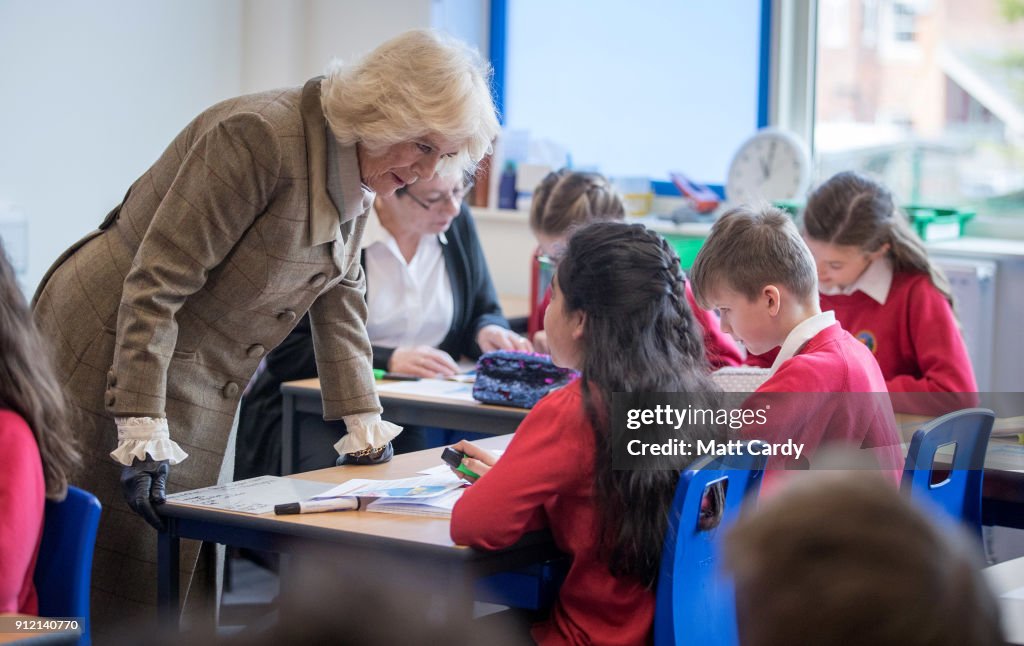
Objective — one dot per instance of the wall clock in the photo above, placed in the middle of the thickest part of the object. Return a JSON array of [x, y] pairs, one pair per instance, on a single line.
[[771, 165]]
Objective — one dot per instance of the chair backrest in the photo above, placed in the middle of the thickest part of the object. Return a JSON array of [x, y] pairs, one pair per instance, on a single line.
[[64, 567], [694, 599], [960, 493]]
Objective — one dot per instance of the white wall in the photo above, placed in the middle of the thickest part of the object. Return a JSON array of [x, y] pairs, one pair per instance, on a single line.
[[93, 91]]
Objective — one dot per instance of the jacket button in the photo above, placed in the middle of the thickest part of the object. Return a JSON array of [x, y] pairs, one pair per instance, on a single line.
[[287, 316], [257, 351], [111, 378], [318, 280], [111, 398], [230, 390]]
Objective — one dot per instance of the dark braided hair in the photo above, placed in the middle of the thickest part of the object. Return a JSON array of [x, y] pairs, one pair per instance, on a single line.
[[639, 336]]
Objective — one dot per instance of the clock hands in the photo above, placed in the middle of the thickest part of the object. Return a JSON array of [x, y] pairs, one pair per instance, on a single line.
[[766, 164]]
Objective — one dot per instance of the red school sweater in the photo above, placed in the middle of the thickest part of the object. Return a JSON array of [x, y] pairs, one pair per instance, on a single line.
[[915, 339], [545, 479], [831, 362], [22, 503]]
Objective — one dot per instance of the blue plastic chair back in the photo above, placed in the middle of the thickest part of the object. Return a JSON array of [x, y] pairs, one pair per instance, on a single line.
[[960, 493], [694, 599], [64, 567]]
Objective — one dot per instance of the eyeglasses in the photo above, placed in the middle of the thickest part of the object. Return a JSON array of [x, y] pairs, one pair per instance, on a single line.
[[457, 194]]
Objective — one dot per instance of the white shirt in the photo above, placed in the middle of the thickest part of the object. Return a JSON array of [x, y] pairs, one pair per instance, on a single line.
[[801, 334], [409, 303], [875, 282]]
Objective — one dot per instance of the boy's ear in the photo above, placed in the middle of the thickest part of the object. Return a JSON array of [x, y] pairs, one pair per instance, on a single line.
[[772, 298], [579, 324]]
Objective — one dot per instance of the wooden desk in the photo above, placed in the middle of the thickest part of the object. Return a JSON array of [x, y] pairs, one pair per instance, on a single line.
[[303, 398], [353, 534]]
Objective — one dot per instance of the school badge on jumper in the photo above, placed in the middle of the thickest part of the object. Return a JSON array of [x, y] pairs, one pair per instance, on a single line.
[[867, 337]]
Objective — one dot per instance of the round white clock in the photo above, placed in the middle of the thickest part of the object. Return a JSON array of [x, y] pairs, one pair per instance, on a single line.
[[772, 165]]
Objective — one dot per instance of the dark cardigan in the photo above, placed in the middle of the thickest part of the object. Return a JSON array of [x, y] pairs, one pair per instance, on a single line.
[[475, 303]]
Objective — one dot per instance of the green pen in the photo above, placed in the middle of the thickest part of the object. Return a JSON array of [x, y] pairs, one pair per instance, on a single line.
[[379, 374], [454, 459]]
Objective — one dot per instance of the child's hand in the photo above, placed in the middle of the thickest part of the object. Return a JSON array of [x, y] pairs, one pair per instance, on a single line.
[[477, 460]]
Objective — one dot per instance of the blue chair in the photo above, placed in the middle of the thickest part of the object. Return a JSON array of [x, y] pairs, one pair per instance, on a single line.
[[64, 567], [959, 494], [694, 600]]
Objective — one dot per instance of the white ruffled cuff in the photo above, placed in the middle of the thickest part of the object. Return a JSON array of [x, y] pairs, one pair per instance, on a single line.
[[365, 431], [137, 436]]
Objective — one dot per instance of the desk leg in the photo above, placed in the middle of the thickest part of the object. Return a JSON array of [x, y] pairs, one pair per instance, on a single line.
[[289, 434], [168, 575]]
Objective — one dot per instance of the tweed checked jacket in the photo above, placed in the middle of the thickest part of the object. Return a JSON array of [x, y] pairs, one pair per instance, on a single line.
[[214, 255]]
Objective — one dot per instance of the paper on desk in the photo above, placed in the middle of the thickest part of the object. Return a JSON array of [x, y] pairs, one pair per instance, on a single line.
[[252, 496], [433, 388], [404, 488]]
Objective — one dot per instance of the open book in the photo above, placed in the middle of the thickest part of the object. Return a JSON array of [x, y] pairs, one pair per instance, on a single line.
[[431, 495]]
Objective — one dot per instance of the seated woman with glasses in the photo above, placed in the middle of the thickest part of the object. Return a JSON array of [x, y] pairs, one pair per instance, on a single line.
[[429, 299]]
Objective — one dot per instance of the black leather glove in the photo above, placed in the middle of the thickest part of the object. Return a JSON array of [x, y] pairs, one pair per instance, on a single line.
[[380, 456], [144, 484]]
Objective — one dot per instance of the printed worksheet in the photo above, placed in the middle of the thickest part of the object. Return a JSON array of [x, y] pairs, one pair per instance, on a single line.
[[252, 496]]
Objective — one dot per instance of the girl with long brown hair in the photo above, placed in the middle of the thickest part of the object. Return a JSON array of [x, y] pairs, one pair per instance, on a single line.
[[35, 440], [874, 272]]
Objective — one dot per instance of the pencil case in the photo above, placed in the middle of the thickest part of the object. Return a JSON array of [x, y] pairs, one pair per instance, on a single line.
[[517, 379]]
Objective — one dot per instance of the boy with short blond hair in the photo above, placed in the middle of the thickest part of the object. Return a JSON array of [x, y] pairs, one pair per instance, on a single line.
[[757, 271]]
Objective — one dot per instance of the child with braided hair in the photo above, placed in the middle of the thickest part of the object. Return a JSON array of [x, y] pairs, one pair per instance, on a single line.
[[566, 200], [618, 314]]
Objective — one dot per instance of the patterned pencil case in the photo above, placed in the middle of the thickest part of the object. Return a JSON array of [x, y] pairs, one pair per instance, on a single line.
[[517, 379]]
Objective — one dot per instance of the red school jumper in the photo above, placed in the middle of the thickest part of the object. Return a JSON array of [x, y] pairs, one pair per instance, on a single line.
[[915, 339], [545, 479], [22, 503], [831, 362]]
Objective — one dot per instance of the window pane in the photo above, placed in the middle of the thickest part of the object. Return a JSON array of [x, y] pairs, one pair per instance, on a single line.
[[927, 95], [637, 88]]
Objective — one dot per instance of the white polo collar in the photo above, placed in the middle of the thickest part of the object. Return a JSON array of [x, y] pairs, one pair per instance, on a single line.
[[801, 334], [875, 282]]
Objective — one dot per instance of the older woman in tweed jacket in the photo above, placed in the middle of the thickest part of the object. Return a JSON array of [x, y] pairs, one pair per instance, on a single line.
[[249, 219]]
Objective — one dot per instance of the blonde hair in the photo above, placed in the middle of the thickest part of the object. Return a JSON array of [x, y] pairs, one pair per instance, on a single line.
[[566, 199], [418, 83], [851, 209], [749, 248]]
